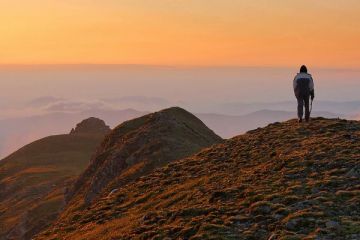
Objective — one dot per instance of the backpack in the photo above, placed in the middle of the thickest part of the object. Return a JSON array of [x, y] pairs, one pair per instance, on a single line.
[[303, 87]]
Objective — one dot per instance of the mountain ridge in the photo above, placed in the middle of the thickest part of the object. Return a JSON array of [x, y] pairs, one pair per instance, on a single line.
[[284, 181], [16, 132]]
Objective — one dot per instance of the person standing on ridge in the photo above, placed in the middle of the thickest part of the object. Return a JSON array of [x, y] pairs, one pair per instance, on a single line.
[[303, 89]]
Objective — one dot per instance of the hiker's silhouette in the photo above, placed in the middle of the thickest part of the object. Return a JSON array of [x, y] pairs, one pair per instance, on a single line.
[[303, 89]]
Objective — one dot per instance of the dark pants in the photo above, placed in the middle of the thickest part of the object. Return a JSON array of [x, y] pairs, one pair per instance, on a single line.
[[303, 101]]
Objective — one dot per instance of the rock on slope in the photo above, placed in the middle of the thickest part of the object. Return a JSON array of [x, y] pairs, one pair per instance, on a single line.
[[32, 179], [136, 147], [284, 181]]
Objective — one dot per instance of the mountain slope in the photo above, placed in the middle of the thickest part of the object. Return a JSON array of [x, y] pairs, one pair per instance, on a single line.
[[32, 179], [138, 146], [284, 181]]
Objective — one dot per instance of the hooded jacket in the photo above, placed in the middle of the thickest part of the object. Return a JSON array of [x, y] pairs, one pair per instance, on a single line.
[[303, 84]]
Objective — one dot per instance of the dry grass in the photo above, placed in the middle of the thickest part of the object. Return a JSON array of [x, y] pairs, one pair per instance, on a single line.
[[32, 182], [284, 181]]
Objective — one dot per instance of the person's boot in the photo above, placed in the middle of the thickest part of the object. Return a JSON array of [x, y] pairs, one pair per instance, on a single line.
[[307, 119], [300, 120]]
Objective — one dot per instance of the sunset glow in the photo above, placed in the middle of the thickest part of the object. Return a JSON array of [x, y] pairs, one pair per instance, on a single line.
[[179, 32]]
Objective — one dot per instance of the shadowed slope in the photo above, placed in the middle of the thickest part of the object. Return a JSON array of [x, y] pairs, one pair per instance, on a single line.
[[138, 146], [32, 179], [284, 181]]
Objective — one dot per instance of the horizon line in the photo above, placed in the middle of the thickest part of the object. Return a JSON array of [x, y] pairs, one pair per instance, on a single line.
[[114, 65]]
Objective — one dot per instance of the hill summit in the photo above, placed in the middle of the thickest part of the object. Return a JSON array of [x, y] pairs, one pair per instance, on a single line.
[[284, 181], [138, 146]]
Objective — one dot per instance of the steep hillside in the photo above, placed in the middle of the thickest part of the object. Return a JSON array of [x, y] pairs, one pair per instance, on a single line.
[[284, 181], [136, 147], [32, 179]]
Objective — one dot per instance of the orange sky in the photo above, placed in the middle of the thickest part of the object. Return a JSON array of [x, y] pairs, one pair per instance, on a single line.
[[181, 32]]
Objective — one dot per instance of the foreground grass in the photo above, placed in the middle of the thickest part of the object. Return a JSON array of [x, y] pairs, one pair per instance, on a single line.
[[284, 181]]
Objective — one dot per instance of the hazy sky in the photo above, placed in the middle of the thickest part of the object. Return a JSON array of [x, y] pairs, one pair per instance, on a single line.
[[195, 86], [181, 32]]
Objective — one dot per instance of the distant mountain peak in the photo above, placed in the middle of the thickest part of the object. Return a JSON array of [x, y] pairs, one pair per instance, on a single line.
[[91, 125]]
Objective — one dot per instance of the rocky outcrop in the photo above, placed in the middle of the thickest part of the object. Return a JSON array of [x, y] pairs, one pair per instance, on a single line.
[[91, 126]]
